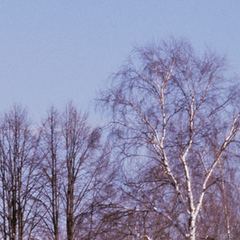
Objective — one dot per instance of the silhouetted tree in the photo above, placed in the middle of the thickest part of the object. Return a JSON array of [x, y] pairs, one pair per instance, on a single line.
[[51, 172], [19, 161]]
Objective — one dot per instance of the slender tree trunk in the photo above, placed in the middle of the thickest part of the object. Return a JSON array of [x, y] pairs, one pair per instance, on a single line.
[[70, 205]]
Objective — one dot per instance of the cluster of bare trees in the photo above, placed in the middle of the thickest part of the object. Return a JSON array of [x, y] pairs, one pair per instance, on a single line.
[[51, 176], [166, 166]]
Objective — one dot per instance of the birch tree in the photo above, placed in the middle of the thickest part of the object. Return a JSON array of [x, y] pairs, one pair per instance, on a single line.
[[173, 120]]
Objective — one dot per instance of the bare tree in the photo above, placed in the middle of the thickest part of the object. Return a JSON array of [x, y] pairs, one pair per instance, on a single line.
[[19, 161], [173, 117], [51, 173], [80, 143], [74, 172]]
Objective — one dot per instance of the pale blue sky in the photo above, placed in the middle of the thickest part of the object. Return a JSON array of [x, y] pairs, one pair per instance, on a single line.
[[53, 51]]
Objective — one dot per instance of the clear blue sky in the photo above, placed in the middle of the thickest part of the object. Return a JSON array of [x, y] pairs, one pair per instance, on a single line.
[[53, 51]]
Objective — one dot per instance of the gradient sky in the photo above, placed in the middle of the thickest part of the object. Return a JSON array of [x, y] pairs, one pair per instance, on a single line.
[[54, 51]]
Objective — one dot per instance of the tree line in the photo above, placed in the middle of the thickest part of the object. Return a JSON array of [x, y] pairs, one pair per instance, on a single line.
[[164, 166]]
